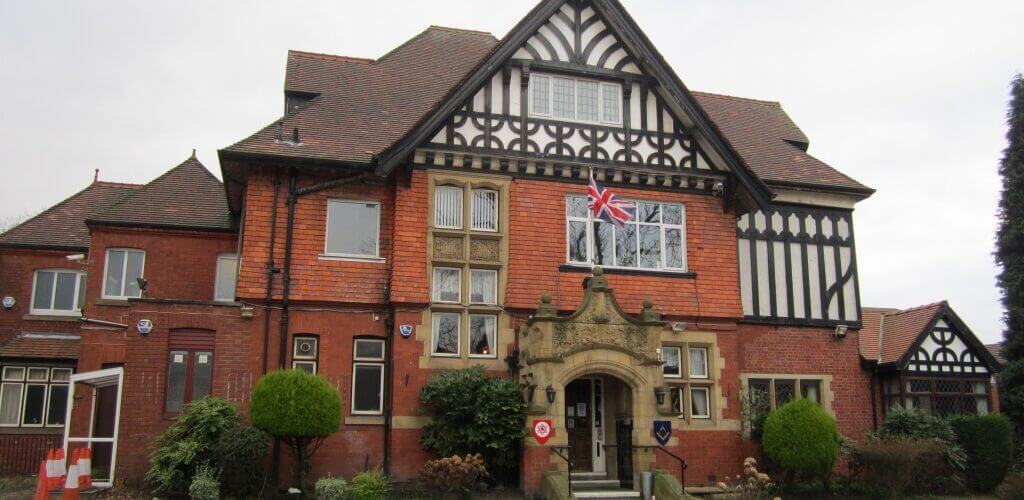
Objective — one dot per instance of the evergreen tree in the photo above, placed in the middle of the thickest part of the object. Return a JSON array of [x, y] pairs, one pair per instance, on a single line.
[[1010, 255]]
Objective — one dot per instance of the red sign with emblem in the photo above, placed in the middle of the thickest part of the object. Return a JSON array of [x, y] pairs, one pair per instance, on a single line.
[[542, 430]]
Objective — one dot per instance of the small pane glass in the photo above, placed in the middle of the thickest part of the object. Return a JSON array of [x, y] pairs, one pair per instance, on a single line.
[[673, 365], [610, 95], [587, 100], [650, 247], [759, 396], [43, 299], [576, 206], [785, 391], [483, 286], [306, 366], [564, 96], [60, 374], [12, 373], [446, 334], [481, 335], [447, 284], [367, 387], [540, 88], [305, 348], [673, 214], [919, 386], [38, 374], [648, 213]]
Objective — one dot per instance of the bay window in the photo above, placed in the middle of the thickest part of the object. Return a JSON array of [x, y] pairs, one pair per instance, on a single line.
[[58, 292], [654, 240], [123, 269]]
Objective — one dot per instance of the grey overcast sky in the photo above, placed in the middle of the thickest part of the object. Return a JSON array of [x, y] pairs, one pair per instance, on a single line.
[[908, 97]]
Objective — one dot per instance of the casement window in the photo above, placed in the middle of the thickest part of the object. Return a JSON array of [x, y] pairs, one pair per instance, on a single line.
[[227, 276], [368, 377], [768, 394], [691, 386], [448, 284], [692, 400], [123, 269], [673, 366], [482, 333], [448, 207], [575, 99], [446, 339], [58, 292], [654, 240], [305, 353], [698, 362], [938, 395], [483, 286], [485, 210], [33, 396], [353, 229], [190, 368]]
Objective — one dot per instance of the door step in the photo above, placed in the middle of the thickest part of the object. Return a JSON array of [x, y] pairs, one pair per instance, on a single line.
[[589, 475], [607, 494], [590, 484]]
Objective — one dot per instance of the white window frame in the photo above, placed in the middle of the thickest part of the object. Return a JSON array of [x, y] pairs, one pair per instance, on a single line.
[[460, 193], [24, 382], [21, 397], [707, 399], [24, 402], [576, 87], [434, 331], [494, 214], [305, 359], [216, 277], [589, 225], [493, 341], [358, 361], [689, 363], [352, 256], [124, 271], [436, 292], [679, 350], [491, 272], [53, 293]]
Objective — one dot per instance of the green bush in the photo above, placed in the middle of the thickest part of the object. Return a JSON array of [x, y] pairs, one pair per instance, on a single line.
[[369, 485], [901, 465], [474, 413], [801, 438], [331, 488], [240, 454], [190, 442], [299, 408], [988, 443], [204, 486], [915, 424], [1012, 487]]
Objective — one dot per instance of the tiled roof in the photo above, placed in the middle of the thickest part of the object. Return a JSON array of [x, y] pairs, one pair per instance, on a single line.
[[366, 106], [887, 333], [41, 345], [187, 196], [770, 142], [62, 226], [997, 352]]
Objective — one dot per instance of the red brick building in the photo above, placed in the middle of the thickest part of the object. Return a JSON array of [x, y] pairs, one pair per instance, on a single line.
[[428, 210]]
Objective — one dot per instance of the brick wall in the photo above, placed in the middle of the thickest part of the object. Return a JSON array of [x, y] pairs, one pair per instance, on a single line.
[[21, 453], [17, 269]]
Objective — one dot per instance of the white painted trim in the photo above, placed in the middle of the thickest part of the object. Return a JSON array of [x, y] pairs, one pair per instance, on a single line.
[[85, 377], [363, 358], [576, 95], [53, 293], [492, 272], [707, 399], [472, 209], [589, 226], [689, 363], [380, 399], [216, 276], [124, 271], [434, 318], [680, 351], [435, 293]]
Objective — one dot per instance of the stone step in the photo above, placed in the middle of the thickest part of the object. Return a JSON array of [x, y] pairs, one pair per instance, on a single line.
[[589, 475], [607, 494], [589, 484]]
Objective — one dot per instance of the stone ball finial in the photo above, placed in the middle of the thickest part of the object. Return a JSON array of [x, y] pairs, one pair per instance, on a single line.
[[648, 303], [545, 298], [598, 271]]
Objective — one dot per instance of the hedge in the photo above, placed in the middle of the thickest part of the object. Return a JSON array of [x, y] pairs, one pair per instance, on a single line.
[[988, 441]]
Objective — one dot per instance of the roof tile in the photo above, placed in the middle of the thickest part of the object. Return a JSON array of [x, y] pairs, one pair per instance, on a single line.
[[63, 226], [41, 346]]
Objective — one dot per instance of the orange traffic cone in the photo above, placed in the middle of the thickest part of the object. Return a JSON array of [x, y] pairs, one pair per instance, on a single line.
[[85, 468], [71, 486], [42, 488], [52, 478], [59, 468]]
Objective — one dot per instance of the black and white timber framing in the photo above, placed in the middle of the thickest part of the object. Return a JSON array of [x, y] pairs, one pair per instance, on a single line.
[[798, 265], [947, 347]]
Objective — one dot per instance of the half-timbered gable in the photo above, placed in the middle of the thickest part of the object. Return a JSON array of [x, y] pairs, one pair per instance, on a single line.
[[797, 265]]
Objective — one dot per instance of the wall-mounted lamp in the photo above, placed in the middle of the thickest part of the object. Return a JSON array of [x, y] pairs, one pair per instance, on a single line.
[[659, 394], [142, 282], [550, 391]]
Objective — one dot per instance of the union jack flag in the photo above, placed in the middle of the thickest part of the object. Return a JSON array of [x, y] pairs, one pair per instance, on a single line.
[[606, 206]]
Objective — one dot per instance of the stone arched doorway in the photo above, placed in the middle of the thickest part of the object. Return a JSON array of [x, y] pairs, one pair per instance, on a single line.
[[594, 374]]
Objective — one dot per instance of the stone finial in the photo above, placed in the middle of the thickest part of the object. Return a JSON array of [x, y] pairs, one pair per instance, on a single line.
[[649, 313], [597, 281], [546, 310]]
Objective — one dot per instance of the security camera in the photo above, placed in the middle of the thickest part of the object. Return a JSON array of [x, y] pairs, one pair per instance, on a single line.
[[840, 331], [78, 257]]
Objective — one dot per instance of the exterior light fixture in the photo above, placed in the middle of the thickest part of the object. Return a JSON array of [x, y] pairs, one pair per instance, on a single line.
[[550, 391], [142, 282], [659, 393]]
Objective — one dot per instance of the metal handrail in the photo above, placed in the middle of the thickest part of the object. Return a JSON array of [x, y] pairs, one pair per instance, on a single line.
[[565, 457], [682, 462]]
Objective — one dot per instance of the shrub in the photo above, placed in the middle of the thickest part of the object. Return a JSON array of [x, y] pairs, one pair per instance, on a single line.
[[330, 488], [801, 438], [299, 408], [240, 453], [204, 486], [454, 474], [902, 465], [369, 485], [988, 442], [1012, 488], [474, 413], [189, 443], [915, 424]]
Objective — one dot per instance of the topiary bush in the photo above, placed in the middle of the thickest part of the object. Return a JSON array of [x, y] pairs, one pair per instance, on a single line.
[[331, 488], [988, 442], [190, 442], [204, 485], [474, 413], [801, 438], [240, 454], [369, 485], [301, 409]]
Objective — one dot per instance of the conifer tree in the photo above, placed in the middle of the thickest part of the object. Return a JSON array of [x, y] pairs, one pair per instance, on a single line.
[[1010, 255]]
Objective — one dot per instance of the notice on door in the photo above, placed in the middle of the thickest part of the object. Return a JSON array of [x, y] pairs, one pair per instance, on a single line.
[[581, 409]]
